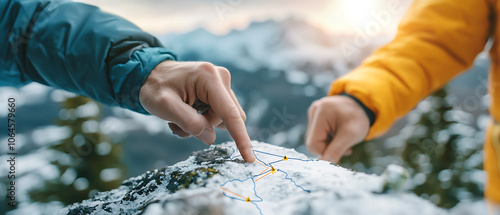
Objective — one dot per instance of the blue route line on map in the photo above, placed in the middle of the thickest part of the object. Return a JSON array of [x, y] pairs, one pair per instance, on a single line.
[[257, 207], [267, 153], [286, 176], [254, 202], [259, 159], [234, 150], [275, 161]]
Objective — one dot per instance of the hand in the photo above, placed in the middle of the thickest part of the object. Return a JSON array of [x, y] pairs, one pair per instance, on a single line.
[[173, 88], [336, 123]]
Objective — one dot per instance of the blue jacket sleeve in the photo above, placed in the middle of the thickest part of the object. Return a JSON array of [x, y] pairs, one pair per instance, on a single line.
[[76, 47]]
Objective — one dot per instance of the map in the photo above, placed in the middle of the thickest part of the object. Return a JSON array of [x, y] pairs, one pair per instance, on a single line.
[[269, 169]]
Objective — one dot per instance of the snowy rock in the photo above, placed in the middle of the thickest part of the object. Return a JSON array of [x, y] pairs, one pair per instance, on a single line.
[[281, 181], [396, 179]]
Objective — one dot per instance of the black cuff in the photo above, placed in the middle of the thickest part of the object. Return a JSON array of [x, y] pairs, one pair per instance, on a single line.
[[369, 113]]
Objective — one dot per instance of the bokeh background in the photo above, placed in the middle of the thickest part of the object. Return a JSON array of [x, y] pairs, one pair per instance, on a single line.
[[283, 55]]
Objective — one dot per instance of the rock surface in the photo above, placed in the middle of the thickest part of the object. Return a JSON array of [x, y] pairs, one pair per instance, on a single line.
[[281, 181]]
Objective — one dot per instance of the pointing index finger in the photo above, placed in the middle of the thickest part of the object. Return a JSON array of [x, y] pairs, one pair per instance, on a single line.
[[223, 105]]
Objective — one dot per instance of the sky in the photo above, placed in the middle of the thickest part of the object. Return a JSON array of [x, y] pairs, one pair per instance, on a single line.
[[220, 16]]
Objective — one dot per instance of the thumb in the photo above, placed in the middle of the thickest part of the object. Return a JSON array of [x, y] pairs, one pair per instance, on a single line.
[[340, 144], [187, 118], [317, 132]]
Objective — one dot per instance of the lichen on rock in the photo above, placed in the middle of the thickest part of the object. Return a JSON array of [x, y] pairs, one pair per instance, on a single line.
[[214, 155], [182, 180]]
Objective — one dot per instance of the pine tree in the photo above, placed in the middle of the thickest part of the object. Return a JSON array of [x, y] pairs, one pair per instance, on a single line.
[[440, 156], [436, 156], [82, 157]]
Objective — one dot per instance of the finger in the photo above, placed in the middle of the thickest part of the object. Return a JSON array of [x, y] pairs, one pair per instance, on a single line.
[[223, 105], [242, 113], [212, 117], [341, 142], [312, 110], [319, 129], [177, 130], [222, 126], [235, 100], [172, 108], [225, 76], [310, 114], [348, 152]]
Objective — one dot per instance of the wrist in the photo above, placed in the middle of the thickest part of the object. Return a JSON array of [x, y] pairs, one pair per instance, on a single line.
[[369, 113], [129, 77]]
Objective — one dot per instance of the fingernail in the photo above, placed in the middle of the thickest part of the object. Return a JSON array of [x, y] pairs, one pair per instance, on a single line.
[[207, 136], [251, 158]]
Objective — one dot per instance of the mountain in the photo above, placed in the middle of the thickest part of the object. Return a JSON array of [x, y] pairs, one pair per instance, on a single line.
[[291, 44]]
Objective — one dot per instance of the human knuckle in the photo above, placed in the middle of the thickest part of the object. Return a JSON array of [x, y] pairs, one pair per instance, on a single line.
[[224, 73], [351, 129], [234, 113], [313, 105], [163, 100], [325, 100], [207, 68], [320, 107], [244, 116]]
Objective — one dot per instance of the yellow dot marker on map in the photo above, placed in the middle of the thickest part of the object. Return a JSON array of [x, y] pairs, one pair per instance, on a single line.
[[248, 199], [273, 170], [285, 158]]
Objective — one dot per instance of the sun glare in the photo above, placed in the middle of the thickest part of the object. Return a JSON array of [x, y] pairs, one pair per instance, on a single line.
[[352, 16], [358, 12]]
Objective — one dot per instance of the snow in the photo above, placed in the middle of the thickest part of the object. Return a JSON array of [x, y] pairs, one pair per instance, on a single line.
[[34, 165], [88, 110], [50, 134], [81, 184], [30, 94], [110, 174], [302, 51], [467, 208], [274, 184], [125, 120], [33, 94], [20, 143]]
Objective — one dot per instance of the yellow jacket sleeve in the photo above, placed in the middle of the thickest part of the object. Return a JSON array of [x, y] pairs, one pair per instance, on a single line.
[[436, 40]]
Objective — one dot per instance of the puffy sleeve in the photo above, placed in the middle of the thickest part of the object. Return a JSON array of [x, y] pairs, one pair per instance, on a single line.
[[76, 47], [436, 40]]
